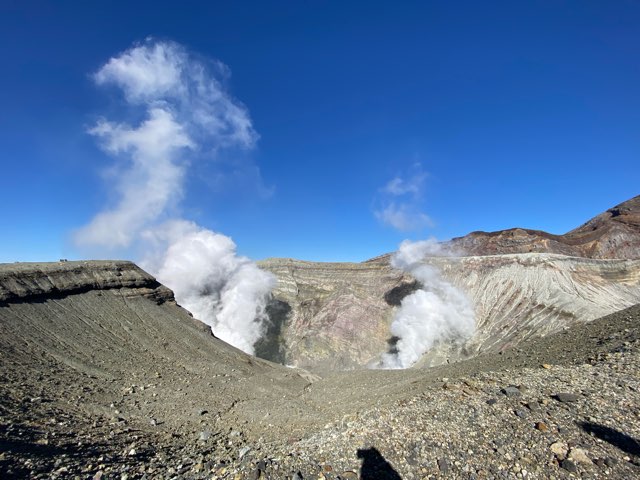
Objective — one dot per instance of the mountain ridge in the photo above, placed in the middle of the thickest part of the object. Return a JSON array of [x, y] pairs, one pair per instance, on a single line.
[[614, 233]]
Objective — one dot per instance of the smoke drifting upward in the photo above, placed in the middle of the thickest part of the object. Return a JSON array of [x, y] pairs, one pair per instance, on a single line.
[[436, 313], [224, 290], [187, 116]]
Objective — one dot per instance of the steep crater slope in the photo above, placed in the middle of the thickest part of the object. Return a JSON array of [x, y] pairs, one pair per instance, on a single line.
[[112, 328], [330, 316], [523, 283], [338, 316], [104, 376]]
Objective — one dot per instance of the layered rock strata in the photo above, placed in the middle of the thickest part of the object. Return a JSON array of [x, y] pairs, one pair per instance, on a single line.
[[338, 315]]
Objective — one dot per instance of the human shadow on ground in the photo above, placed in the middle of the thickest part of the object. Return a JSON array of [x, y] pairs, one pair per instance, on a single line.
[[618, 439], [374, 466]]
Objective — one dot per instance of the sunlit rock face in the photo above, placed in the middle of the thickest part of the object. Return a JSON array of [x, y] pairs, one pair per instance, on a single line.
[[522, 283], [338, 315], [332, 315], [612, 234], [520, 296]]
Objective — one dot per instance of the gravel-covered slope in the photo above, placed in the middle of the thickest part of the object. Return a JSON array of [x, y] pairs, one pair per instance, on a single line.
[[112, 384]]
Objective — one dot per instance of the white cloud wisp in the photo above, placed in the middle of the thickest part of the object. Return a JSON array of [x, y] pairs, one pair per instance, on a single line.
[[399, 202], [187, 115]]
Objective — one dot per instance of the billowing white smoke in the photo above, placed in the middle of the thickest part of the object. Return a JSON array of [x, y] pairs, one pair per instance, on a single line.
[[224, 290], [187, 116], [436, 313]]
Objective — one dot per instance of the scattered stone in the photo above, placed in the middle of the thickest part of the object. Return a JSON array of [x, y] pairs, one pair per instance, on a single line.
[[205, 435], [257, 474], [560, 450], [349, 475], [533, 406], [492, 401], [541, 426], [511, 391], [569, 466], [565, 397], [546, 366], [610, 461], [443, 465], [243, 452], [579, 455]]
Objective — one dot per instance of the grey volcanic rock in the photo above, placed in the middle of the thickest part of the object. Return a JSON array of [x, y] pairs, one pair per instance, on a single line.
[[110, 383], [113, 322], [24, 281], [339, 314], [334, 315], [523, 283]]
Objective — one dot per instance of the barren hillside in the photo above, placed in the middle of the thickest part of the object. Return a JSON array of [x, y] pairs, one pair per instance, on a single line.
[[103, 376], [611, 234]]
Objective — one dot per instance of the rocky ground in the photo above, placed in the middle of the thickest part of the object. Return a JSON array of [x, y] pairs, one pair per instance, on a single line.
[[124, 407]]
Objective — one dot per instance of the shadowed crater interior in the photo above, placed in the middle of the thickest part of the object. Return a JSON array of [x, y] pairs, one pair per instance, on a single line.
[[394, 296], [271, 346]]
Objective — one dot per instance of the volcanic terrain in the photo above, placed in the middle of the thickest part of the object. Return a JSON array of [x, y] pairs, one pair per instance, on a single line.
[[103, 375]]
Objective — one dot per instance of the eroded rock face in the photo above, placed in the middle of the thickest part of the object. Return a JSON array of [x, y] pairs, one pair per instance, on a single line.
[[333, 315], [27, 281], [521, 296], [612, 234], [523, 283], [339, 314]]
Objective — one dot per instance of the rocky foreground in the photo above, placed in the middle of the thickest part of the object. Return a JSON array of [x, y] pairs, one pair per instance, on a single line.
[[117, 381]]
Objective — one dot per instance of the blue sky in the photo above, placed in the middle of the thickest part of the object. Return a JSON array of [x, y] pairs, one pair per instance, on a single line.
[[449, 116]]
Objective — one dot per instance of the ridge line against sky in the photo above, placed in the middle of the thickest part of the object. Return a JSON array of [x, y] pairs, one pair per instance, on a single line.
[[368, 125]]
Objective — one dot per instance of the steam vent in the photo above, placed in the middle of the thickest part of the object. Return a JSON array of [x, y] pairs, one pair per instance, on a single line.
[[105, 375]]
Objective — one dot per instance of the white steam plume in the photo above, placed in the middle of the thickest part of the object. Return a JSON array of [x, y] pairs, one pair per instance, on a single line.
[[187, 115], [224, 290], [437, 312]]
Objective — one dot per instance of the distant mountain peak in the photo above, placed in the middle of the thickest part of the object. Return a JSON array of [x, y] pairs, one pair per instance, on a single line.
[[614, 233]]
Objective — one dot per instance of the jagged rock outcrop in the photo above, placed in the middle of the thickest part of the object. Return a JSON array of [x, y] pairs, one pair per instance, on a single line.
[[611, 234], [26, 281]]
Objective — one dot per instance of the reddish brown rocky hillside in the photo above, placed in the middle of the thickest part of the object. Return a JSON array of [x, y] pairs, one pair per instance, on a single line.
[[612, 234]]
